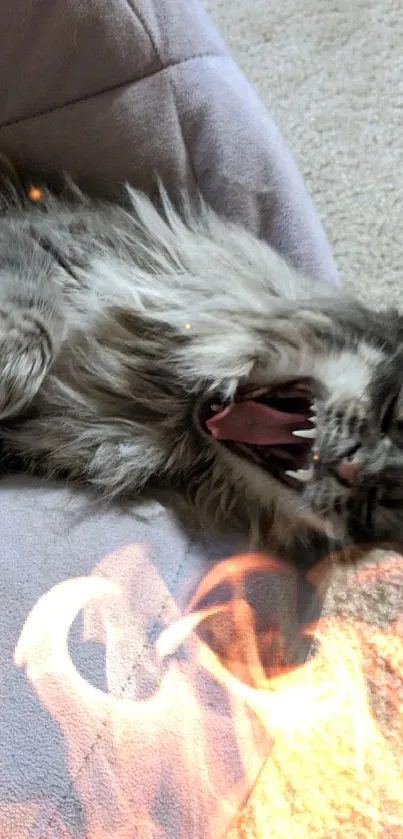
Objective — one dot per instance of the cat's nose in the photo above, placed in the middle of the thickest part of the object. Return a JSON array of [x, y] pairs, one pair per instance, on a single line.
[[346, 471]]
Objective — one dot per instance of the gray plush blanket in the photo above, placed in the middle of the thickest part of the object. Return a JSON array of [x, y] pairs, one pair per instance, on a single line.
[[116, 718]]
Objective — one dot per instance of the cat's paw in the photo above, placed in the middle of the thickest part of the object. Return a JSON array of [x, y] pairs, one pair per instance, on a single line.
[[25, 356]]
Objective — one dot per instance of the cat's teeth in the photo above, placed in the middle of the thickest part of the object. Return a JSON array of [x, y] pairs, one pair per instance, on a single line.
[[309, 433], [303, 475]]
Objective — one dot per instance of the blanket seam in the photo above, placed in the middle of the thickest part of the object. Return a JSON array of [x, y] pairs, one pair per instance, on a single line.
[[128, 83], [138, 16]]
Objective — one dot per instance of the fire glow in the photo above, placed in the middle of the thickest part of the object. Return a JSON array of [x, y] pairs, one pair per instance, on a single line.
[[302, 741]]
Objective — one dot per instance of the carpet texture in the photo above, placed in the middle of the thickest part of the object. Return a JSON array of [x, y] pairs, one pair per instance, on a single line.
[[331, 73]]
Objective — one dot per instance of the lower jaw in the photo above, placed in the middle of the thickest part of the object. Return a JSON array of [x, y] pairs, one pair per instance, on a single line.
[[278, 473]]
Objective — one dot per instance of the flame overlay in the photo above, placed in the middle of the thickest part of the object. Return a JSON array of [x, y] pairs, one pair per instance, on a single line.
[[229, 695]]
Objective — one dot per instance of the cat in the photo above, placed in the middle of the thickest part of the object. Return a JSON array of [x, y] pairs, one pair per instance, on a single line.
[[146, 348]]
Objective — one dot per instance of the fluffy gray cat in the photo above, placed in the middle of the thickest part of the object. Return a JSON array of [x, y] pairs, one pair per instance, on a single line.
[[144, 350]]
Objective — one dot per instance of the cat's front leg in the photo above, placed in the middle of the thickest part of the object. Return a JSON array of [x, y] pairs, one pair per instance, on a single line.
[[26, 353], [32, 325]]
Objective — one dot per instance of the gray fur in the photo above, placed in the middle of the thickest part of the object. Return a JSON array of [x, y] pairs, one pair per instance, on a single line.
[[116, 321]]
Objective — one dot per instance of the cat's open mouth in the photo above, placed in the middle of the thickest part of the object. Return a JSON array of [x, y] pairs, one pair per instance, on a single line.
[[273, 427]]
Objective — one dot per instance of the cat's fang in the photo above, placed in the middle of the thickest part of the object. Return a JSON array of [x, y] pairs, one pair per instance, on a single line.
[[302, 475], [308, 433]]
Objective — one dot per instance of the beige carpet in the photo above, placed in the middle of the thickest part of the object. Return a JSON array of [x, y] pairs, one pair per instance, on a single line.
[[331, 73]]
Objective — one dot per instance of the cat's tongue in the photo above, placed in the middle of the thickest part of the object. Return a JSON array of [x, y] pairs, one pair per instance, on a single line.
[[258, 423]]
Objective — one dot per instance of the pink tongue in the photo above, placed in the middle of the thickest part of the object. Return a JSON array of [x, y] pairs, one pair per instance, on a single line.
[[253, 422]]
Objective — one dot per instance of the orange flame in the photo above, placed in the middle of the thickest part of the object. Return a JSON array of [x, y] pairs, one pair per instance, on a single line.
[[158, 768]]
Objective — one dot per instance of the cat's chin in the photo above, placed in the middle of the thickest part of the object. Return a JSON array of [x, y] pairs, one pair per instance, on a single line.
[[292, 503]]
